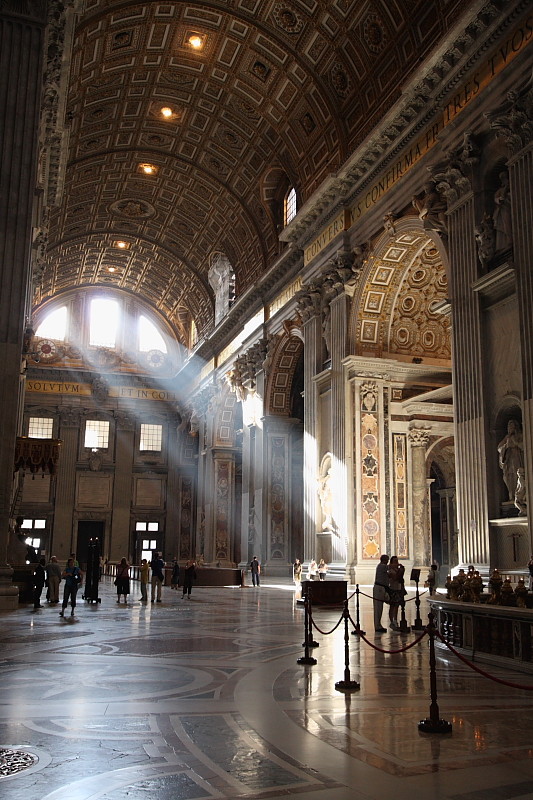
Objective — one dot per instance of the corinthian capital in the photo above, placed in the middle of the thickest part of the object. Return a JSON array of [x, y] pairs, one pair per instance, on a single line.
[[419, 437], [513, 120], [309, 301]]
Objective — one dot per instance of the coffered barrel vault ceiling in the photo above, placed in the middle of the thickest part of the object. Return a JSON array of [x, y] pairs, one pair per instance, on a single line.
[[277, 93]]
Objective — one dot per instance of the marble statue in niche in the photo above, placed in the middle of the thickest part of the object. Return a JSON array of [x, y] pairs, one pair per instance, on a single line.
[[511, 456]]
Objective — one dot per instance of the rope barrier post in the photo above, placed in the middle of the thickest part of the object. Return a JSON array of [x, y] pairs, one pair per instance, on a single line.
[[347, 685], [418, 626], [404, 627], [310, 640], [433, 724], [358, 630], [306, 658]]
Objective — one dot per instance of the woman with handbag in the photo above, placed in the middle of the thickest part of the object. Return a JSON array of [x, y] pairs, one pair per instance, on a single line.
[[122, 581]]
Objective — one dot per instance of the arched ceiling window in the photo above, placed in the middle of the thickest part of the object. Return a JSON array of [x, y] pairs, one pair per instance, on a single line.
[[149, 336], [290, 205], [103, 322], [54, 325]]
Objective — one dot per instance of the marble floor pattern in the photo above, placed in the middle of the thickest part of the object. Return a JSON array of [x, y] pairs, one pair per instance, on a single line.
[[205, 699]]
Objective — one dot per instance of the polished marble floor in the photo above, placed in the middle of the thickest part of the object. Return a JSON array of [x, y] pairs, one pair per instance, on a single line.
[[205, 699]]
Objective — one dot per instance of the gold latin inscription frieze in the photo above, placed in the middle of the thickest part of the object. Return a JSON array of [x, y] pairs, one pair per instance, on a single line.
[[481, 78]]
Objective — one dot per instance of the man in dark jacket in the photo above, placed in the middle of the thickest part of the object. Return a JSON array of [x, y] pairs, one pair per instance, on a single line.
[[39, 577]]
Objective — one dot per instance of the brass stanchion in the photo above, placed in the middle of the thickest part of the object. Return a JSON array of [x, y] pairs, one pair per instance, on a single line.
[[418, 626], [306, 659], [433, 724], [358, 630], [347, 685]]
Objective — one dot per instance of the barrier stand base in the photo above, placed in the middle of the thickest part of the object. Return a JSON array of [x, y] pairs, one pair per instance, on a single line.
[[404, 627], [306, 660], [439, 726], [418, 626], [358, 631], [312, 643], [347, 686]]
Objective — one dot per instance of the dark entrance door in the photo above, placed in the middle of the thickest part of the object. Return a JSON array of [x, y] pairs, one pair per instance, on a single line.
[[88, 529]]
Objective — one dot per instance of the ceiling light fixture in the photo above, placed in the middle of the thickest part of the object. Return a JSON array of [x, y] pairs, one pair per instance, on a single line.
[[122, 245], [111, 269], [148, 169], [196, 41], [166, 112]]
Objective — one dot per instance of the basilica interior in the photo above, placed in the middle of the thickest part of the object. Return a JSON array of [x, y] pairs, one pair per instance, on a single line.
[[266, 291]]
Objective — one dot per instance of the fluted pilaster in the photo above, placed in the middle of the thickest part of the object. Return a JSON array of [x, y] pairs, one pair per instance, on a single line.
[[21, 58]]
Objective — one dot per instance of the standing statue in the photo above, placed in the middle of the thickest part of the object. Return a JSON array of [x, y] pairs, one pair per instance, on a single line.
[[326, 500], [511, 456], [502, 216], [431, 209]]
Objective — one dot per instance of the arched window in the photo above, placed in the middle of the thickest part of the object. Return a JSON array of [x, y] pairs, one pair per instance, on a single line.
[[103, 322], [54, 325], [290, 205], [149, 336]]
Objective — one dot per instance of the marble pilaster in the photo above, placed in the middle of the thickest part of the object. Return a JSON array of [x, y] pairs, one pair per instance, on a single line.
[[418, 441], [119, 543], [224, 506], [309, 307], [63, 535], [470, 444], [21, 64]]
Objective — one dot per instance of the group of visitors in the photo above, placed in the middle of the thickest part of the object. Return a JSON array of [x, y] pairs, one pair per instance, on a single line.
[[51, 575], [389, 587], [317, 571], [157, 565]]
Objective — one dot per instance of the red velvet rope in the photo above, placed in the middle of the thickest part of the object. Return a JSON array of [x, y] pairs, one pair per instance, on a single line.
[[392, 652], [405, 601], [324, 633], [482, 671]]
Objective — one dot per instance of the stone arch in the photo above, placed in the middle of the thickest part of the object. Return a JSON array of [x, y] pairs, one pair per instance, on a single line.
[[282, 369], [388, 319]]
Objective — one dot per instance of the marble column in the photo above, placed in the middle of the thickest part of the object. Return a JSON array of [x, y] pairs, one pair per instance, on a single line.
[[120, 539], [63, 537], [470, 443], [21, 59], [513, 121], [418, 441], [309, 308]]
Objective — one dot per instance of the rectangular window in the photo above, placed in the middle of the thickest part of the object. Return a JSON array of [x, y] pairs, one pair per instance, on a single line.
[[40, 428], [97, 434], [151, 437]]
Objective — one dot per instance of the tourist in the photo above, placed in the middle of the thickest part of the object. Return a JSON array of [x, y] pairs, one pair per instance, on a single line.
[[53, 576], [145, 571], [122, 580], [396, 590], [380, 592], [39, 577], [255, 568], [175, 579], [72, 577], [158, 576], [189, 575]]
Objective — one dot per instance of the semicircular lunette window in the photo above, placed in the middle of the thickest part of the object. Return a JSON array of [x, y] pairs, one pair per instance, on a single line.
[[150, 337], [54, 325]]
